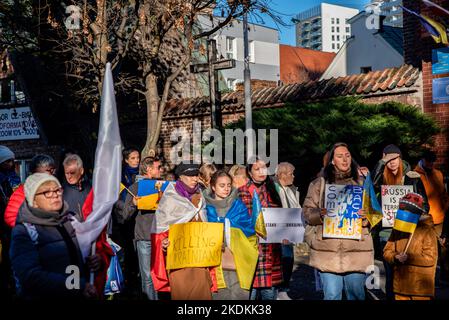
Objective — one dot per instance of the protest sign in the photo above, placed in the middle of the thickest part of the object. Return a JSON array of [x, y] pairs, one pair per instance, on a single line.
[[342, 204], [150, 193], [283, 224], [194, 244], [390, 202]]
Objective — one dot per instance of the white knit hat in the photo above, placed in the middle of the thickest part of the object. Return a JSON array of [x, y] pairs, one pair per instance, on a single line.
[[33, 182], [6, 154]]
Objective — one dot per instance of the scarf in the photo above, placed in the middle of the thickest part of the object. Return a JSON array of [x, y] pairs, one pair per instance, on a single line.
[[186, 191], [129, 174], [339, 175], [41, 217], [11, 177]]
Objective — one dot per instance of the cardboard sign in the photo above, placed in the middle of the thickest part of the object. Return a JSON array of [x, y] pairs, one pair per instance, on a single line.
[[283, 224], [390, 202], [150, 193], [342, 204], [194, 244]]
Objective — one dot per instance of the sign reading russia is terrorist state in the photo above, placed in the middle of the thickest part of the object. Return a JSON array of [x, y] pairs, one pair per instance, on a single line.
[[342, 219], [194, 244]]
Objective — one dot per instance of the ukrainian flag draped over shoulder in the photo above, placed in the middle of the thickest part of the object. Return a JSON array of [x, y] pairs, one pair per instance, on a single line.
[[257, 216], [371, 206], [242, 241]]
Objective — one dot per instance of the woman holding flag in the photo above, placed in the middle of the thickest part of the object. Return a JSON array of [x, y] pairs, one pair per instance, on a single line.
[[392, 170], [240, 253], [341, 263], [412, 250], [260, 192]]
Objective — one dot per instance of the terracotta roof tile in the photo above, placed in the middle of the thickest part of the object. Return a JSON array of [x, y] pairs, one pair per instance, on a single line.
[[360, 84]]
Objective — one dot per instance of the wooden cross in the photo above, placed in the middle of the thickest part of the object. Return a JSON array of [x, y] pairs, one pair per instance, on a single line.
[[212, 66]]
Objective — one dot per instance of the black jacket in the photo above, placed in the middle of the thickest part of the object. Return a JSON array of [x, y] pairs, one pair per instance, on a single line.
[[41, 264]]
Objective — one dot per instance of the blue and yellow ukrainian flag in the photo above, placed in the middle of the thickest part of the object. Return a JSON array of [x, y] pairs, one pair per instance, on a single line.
[[149, 192], [434, 28], [371, 206], [406, 221], [257, 217]]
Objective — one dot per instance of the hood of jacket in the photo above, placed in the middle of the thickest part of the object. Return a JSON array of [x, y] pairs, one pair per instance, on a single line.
[[221, 205], [40, 217]]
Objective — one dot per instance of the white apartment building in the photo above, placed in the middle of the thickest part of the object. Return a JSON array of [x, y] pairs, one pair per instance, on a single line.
[[324, 27], [391, 10], [263, 50]]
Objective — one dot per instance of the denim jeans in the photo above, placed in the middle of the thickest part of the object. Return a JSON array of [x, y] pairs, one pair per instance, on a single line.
[[353, 283], [144, 256], [264, 293]]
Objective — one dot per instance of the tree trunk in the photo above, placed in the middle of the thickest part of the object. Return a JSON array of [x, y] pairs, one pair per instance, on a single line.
[[152, 101]]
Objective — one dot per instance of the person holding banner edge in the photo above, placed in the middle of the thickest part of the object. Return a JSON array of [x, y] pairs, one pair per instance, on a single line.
[[341, 263], [269, 268], [392, 170], [240, 251]]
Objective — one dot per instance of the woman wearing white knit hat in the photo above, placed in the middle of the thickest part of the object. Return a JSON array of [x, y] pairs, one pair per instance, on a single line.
[[44, 244]]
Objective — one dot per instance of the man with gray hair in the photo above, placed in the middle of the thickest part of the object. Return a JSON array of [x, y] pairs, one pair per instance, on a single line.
[[290, 199], [77, 187], [150, 168]]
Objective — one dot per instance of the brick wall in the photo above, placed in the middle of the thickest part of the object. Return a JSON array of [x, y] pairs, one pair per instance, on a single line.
[[418, 46]]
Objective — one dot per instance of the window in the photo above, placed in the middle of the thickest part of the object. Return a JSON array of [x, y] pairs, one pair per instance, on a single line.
[[338, 46], [230, 83], [338, 29], [338, 38], [333, 29], [252, 58], [230, 46], [365, 69], [333, 45], [332, 20], [347, 30], [333, 37], [338, 20]]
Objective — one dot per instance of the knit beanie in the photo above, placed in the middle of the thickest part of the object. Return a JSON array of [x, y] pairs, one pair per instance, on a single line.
[[412, 202], [33, 182], [6, 154]]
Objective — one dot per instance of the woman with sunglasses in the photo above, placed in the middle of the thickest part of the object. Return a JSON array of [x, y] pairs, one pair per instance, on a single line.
[[45, 255]]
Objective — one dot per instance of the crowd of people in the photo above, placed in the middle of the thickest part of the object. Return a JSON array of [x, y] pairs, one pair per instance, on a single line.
[[38, 242]]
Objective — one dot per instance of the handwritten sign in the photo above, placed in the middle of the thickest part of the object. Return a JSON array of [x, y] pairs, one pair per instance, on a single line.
[[342, 204], [283, 224], [390, 202], [194, 244], [17, 124]]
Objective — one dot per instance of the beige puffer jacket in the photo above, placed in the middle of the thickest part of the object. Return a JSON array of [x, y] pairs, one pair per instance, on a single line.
[[334, 255]]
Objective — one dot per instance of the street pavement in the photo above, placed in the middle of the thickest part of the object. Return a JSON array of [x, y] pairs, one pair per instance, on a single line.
[[303, 285]]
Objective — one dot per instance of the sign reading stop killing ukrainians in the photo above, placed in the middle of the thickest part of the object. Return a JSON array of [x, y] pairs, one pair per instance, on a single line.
[[390, 202], [17, 124], [283, 224], [342, 219], [194, 244]]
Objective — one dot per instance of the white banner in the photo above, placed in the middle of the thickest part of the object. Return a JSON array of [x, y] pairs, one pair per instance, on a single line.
[[283, 224], [17, 124], [390, 202]]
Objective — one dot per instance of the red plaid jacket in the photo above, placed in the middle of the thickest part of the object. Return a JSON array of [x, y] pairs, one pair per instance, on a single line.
[[268, 271]]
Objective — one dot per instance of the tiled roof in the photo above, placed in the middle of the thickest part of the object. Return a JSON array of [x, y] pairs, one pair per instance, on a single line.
[[385, 81], [302, 64]]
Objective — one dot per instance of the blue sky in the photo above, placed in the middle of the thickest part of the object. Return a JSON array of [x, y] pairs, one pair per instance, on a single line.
[[290, 8]]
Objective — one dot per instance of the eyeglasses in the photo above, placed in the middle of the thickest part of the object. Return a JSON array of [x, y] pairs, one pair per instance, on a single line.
[[51, 193]]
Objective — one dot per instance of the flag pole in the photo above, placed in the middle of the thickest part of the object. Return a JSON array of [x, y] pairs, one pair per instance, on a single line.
[[92, 274], [408, 243], [129, 191]]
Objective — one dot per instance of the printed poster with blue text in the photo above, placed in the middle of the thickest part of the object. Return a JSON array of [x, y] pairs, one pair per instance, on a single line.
[[342, 220]]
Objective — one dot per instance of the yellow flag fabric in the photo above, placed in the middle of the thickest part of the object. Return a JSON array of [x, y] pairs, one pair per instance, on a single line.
[[440, 28], [246, 254], [149, 202], [122, 187], [370, 205]]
